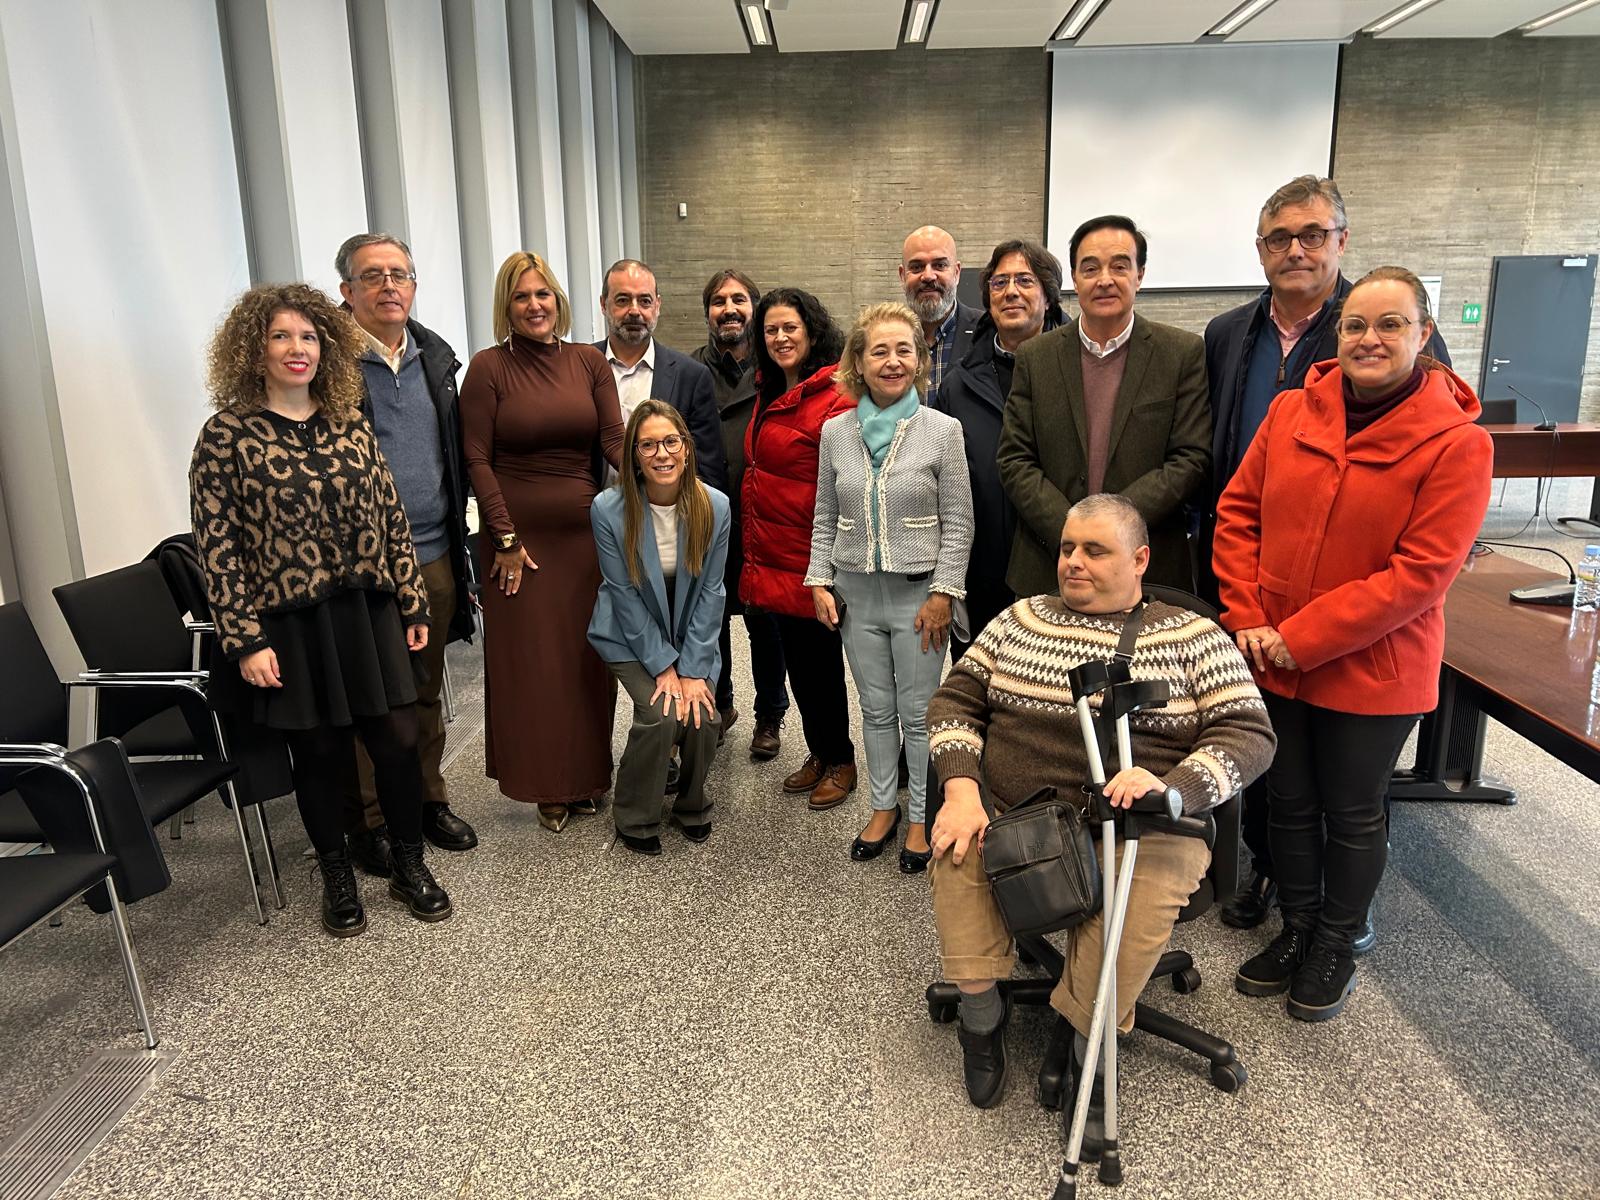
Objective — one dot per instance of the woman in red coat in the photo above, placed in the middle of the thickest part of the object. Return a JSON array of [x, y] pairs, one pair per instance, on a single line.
[[797, 348], [1351, 514]]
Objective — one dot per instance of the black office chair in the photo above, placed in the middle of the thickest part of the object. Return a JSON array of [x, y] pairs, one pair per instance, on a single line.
[[34, 709], [87, 803], [143, 690], [1221, 880]]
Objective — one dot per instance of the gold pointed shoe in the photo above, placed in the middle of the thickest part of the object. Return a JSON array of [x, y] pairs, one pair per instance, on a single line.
[[554, 816]]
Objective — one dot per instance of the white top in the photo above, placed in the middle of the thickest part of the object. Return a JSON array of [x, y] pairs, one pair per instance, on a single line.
[[1112, 343], [633, 383], [665, 519]]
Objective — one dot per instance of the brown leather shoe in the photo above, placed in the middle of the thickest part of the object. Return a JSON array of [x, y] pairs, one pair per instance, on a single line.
[[767, 740], [837, 782], [807, 777]]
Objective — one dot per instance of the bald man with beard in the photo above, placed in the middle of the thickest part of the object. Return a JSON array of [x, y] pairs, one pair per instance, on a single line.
[[929, 270]]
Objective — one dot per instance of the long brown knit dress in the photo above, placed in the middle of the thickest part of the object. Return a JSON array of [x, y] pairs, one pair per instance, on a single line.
[[533, 415]]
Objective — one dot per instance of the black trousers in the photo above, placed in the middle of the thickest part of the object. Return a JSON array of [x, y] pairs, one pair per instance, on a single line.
[[814, 657], [766, 664], [1253, 828], [1329, 835], [325, 774]]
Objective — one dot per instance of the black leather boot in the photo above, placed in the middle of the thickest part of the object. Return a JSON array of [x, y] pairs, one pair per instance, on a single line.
[[1094, 1124], [342, 914], [1055, 1073], [1250, 907], [1366, 937], [370, 850], [415, 885]]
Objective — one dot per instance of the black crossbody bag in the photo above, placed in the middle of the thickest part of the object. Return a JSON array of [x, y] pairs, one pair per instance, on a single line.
[[1040, 856]]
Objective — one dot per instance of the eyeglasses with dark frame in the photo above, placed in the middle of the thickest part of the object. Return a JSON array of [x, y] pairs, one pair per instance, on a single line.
[[1310, 239], [375, 278], [650, 447], [1388, 327]]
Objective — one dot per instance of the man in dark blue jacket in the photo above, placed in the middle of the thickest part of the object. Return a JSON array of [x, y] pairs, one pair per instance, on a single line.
[[1253, 352], [929, 272], [646, 370]]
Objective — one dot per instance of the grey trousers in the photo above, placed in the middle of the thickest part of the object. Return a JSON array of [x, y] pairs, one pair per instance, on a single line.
[[640, 792]]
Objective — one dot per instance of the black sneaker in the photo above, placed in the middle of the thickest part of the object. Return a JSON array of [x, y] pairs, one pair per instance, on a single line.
[[342, 914], [1322, 984], [983, 1061], [371, 850], [413, 884], [1269, 973]]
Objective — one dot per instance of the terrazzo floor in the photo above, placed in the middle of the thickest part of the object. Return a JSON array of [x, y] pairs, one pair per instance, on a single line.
[[745, 1018]]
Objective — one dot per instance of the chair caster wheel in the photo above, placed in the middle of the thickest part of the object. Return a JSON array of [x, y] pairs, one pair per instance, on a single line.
[[941, 1012], [1228, 1077], [1186, 981]]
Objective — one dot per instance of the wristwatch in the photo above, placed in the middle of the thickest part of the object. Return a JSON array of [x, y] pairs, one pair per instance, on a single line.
[[507, 541]]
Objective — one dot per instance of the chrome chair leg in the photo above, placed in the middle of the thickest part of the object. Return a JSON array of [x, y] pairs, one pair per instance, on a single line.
[[272, 856], [249, 855], [130, 965]]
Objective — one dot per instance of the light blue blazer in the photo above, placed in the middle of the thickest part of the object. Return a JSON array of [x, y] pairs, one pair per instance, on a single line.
[[630, 622]]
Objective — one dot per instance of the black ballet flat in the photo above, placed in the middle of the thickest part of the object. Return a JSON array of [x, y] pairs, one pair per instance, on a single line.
[[862, 851], [913, 862]]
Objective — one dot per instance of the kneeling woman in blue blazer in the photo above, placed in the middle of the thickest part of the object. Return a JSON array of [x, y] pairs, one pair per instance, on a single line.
[[663, 542]]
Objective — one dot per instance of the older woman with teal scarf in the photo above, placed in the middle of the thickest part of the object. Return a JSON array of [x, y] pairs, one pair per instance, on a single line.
[[889, 546]]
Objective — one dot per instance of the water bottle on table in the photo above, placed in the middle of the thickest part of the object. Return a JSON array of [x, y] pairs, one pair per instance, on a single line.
[[1587, 593]]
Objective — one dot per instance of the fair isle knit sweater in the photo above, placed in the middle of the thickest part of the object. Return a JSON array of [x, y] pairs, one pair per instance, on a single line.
[[1005, 713]]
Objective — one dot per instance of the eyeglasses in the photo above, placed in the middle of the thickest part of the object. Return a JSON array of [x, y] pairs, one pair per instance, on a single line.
[[1388, 327], [1310, 239], [376, 278], [1025, 283], [649, 447]]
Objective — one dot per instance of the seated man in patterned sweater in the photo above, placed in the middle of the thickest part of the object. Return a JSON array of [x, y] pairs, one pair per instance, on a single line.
[[1005, 712]]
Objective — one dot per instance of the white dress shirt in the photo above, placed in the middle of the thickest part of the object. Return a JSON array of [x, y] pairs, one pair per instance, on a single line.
[[1100, 350], [633, 383]]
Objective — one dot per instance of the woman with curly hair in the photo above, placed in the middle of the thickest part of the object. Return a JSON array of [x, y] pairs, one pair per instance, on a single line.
[[797, 347], [313, 582], [539, 418]]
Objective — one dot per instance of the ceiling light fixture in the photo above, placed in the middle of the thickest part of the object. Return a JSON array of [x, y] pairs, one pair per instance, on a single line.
[[917, 28], [1561, 14], [1245, 12], [1404, 13], [756, 25], [1082, 13]]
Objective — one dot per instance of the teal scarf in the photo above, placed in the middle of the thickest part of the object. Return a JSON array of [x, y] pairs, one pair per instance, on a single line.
[[878, 424]]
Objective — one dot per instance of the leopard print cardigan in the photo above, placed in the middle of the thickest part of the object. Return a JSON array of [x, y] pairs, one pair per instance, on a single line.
[[287, 513]]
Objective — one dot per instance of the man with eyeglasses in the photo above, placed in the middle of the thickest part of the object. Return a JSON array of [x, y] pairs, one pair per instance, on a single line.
[[1253, 352], [1022, 285], [929, 271], [1110, 402], [410, 377], [646, 370]]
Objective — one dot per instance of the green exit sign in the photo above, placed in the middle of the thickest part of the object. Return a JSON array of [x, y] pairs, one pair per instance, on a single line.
[[1471, 314]]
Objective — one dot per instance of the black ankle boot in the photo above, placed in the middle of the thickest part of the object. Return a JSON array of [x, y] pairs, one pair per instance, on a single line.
[[983, 1061], [414, 884], [1094, 1123], [342, 914]]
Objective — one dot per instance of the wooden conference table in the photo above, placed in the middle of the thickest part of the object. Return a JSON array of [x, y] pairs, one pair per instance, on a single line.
[[1528, 666], [1523, 452]]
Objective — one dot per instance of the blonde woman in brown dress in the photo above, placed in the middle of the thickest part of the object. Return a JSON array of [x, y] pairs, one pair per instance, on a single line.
[[538, 415]]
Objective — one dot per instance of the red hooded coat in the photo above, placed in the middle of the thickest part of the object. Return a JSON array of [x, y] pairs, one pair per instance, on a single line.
[[1347, 546], [780, 493]]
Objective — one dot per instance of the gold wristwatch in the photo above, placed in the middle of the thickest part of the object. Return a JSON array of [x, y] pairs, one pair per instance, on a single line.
[[507, 541]]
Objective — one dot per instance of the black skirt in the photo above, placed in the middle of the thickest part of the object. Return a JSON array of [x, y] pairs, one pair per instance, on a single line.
[[340, 659]]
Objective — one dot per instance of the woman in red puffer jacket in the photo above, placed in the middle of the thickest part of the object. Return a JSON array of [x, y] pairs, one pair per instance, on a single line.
[[797, 347], [1337, 539]]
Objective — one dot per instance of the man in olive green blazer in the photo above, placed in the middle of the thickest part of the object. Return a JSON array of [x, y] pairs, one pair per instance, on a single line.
[[1078, 420]]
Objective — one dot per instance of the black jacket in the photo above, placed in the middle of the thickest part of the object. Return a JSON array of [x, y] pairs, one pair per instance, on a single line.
[[439, 369], [736, 404], [686, 385], [1230, 340], [972, 394], [967, 319]]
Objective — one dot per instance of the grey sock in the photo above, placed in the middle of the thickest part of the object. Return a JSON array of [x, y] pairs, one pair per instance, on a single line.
[[982, 1012], [1080, 1050]]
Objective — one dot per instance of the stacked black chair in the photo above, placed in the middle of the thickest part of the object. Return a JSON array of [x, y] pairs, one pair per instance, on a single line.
[[34, 710], [87, 803], [1221, 880], [144, 690]]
